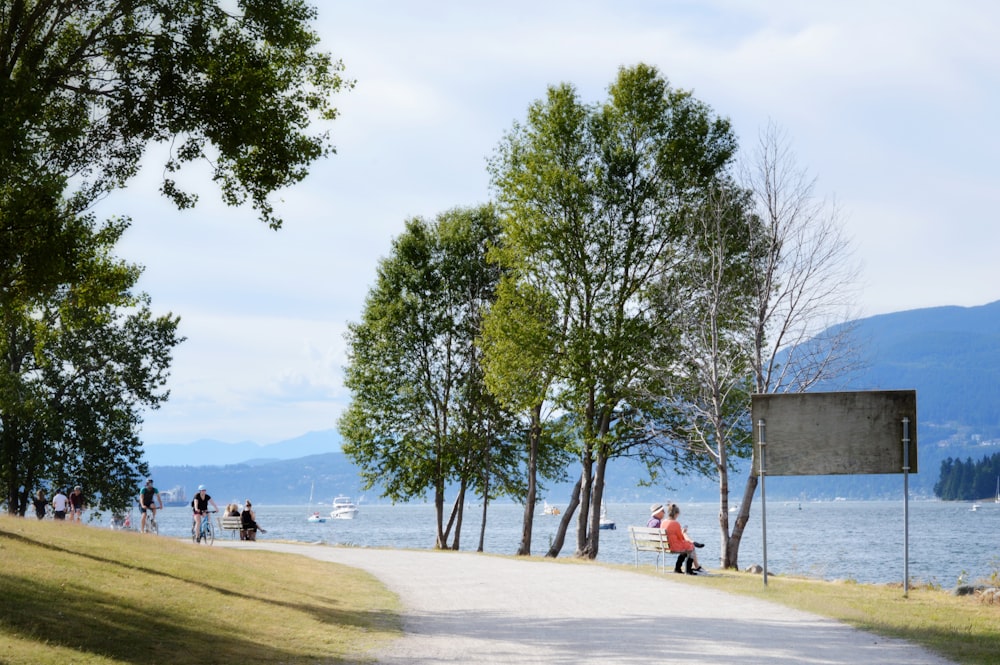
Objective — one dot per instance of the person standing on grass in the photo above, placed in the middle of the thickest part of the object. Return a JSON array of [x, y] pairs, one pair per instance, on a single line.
[[40, 503], [76, 504], [59, 505], [146, 497]]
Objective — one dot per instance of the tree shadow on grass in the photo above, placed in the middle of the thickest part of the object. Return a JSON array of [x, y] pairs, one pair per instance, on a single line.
[[319, 612], [77, 617]]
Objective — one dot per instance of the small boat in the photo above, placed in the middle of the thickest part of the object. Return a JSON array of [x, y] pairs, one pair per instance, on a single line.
[[343, 508], [550, 510], [606, 522], [975, 507], [314, 517]]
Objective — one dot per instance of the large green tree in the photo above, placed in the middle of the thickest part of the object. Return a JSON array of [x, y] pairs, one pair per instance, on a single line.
[[86, 87], [592, 201], [420, 418], [78, 364]]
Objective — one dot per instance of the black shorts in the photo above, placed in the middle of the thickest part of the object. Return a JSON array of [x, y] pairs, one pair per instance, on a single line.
[[143, 508]]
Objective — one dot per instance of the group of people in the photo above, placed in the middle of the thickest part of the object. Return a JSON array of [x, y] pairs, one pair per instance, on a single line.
[[248, 520], [200, 510], [72, 505], [677, 537], [62, 505]]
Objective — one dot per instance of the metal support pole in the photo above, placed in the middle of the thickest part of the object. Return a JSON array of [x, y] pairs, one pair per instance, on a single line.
[[906, 507], [763, 498]]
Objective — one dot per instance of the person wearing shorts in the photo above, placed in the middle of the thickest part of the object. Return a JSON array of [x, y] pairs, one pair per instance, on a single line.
[[146, 497], [59, 505], [76, 504], [199, 506]]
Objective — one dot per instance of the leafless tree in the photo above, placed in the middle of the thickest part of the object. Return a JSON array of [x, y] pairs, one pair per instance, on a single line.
[[804, 281]]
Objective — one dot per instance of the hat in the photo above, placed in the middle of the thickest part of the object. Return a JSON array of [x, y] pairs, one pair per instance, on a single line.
[[78, 488], [201, 487], [655, 508]]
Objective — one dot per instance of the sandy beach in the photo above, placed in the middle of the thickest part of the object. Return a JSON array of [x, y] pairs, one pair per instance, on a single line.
[[472, 608]]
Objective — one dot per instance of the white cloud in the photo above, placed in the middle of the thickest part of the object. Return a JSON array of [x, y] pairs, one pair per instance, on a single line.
[[892, 106]]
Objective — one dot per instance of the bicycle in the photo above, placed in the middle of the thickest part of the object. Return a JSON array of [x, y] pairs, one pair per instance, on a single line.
[[207, 531], [151, 526]]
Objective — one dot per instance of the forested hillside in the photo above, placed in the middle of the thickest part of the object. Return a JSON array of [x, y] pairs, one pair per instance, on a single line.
[[950, 355], [969, 480]]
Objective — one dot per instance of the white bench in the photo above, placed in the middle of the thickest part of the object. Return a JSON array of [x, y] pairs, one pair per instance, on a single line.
[[232, 524], [649, 539]]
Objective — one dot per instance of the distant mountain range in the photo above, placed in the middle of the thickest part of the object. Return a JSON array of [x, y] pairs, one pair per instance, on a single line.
[[949, 355], [208, 452]]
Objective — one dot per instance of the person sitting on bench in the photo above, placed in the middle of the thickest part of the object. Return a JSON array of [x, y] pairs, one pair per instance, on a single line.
[[679, 541], [249, 523]]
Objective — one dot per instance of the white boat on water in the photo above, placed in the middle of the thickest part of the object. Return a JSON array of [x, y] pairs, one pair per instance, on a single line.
[[314, 517], [606, 522], [550, 510], [343, 508]]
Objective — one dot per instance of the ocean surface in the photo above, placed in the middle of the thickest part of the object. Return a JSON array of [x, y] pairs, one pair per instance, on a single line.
[[833, 540]]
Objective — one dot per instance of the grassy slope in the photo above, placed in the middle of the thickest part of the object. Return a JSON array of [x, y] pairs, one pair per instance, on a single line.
[[87, 595], [960, 628]]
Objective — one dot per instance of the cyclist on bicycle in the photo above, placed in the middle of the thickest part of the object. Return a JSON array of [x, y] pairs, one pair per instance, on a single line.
[[199, 505], [146, 502]]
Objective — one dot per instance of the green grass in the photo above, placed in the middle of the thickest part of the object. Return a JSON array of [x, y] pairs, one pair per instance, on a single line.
[[77, 594], [72, 594], [960, 628]]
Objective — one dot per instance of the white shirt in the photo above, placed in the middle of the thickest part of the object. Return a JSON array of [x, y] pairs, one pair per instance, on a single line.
[[60, 502]]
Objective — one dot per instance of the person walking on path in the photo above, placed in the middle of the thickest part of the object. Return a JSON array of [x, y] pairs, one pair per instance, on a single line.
[[40, 503], [76, 504], [60, 503]]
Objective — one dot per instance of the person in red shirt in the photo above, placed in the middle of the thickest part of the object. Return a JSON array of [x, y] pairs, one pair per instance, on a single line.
[[679, 541]]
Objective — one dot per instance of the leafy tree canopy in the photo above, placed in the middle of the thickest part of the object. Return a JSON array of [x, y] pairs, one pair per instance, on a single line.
[[86, 86], [78, 363]]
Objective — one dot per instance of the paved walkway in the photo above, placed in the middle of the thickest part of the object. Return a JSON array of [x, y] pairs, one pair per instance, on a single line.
[[470, 608]]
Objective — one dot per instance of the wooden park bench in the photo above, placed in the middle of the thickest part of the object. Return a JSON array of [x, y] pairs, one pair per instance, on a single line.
[[231, 523], [649, 539]]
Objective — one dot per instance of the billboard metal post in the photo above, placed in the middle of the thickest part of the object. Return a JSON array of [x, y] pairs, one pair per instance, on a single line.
[[763, 498], [906, 507]]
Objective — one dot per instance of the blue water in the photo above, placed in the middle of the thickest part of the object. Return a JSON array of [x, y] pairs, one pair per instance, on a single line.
[[856, 540]]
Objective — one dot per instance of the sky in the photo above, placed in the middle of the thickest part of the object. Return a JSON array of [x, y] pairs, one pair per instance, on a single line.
[[891, 106]]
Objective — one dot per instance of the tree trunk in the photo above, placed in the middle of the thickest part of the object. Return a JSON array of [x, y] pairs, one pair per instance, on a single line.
[[597, 498], [742, 518], [586, 492], [534, 436], [557, 542]]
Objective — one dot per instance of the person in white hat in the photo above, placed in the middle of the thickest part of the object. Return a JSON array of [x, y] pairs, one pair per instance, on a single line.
[[655, 516]]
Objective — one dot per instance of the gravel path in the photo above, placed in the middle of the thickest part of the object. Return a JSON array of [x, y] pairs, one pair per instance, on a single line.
[[472, 608]]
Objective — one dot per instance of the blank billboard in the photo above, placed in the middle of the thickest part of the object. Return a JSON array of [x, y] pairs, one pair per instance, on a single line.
[[814, 434]]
